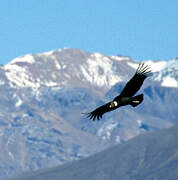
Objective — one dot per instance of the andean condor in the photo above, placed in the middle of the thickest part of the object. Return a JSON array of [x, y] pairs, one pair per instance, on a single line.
[[126, 97]]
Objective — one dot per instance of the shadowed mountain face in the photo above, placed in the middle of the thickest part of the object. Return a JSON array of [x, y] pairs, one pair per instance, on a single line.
[[149, 156], [42, 97]]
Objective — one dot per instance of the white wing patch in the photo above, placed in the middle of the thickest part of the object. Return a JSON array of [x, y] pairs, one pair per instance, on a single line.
[[113, 104], [135, 101]]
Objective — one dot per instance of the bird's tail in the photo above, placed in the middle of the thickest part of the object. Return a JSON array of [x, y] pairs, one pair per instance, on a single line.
[[136, 100]]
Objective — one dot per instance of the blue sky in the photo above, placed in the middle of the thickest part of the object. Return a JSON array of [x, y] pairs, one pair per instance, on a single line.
[[141, 29]]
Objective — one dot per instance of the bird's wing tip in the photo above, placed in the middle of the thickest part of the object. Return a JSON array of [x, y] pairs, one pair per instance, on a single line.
[[93, 116], [144, 69]]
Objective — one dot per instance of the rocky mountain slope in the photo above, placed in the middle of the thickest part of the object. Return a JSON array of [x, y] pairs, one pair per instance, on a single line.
[[149, 156], [43, 95]]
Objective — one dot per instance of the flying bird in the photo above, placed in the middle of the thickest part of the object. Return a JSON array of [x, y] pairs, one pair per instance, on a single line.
[[126, 97]]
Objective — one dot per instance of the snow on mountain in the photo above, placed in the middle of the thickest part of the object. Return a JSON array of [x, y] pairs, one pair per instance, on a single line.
[[2, 82], [92, 68], [43, 96], [99, 70], [19, 76], [26, 59], [156, 66], [169, 82], [166, 72]]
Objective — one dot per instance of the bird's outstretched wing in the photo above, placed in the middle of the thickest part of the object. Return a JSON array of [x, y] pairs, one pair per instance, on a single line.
[[142, 72], [98, 112]]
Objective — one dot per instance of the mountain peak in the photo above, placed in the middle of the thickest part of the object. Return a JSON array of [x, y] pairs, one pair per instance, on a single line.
[[25, 59], [65, 66]]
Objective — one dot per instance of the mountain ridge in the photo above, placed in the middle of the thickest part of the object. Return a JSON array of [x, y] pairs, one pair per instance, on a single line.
[[96, 63], [148, 156]]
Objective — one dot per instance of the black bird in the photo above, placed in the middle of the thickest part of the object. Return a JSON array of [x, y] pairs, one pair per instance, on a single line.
[[126, 97]]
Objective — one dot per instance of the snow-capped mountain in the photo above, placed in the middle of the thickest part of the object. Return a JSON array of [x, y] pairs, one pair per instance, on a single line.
[[64, 66], [43, 95], [166, 72]]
